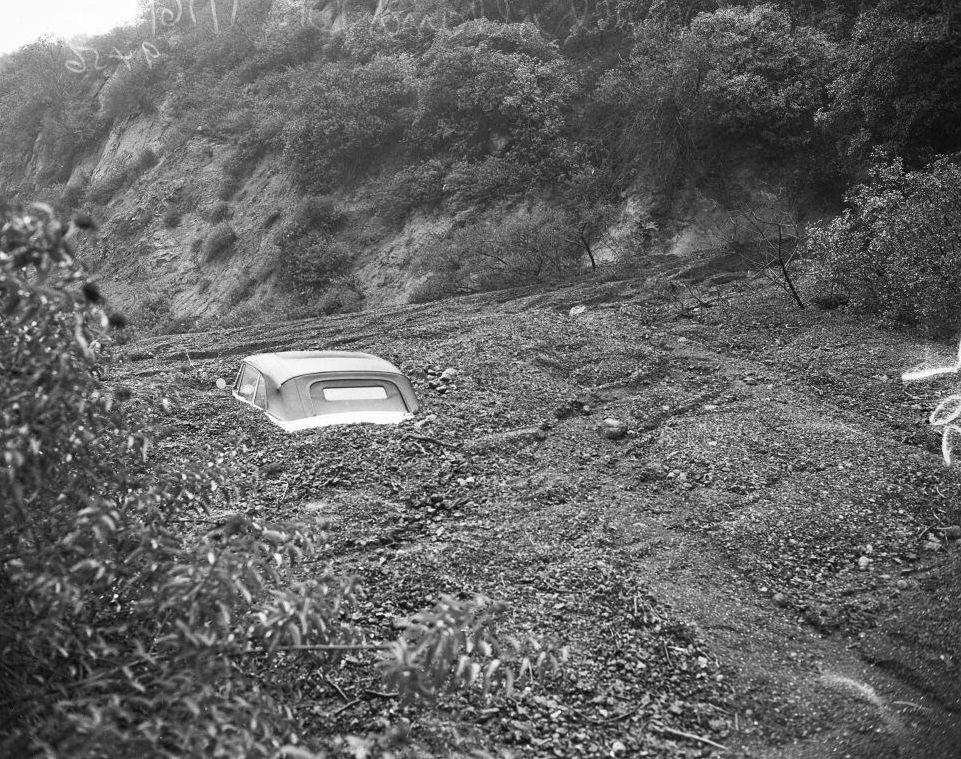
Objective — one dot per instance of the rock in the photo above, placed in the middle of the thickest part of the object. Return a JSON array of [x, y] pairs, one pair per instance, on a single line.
[[618, 748], [902, 584], [931, 545], [863, 563], [448, 374], [779, 599], [578, 310], [612, 429], [953, 532]]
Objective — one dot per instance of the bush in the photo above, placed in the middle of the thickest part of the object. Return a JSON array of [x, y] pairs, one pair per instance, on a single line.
[[346, 117], [340, 298], [486, 82], [896, 250], [315, 213], [313, 261], [487, 182], [503, 252], [419, 187], [146, 160], [239, 166], [219, 211], [220, 242], [172, 218]]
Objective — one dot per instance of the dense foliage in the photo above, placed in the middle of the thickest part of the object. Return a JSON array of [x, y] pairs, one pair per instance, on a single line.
[[897, 249], [139, 614], [469, 106]]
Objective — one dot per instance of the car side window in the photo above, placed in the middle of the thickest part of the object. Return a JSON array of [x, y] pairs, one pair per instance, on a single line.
[[260, 394], [248, 383]]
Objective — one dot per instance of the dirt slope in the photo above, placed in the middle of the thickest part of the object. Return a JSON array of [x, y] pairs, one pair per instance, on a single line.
[[750, 567]]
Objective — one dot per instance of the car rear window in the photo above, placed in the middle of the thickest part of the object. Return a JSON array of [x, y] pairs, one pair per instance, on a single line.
[[344, 396]]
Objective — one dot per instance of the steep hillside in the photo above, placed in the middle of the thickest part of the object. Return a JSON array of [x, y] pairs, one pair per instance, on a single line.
[[285, 158], [765, 565]]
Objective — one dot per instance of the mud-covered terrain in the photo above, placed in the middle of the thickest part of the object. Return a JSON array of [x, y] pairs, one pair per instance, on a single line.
[[762, 566]]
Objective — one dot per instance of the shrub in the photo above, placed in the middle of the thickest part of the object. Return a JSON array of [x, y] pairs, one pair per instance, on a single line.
[[239, 165], [339, 298], [218, 212], [495, 253], [314, 261], [172, 218], [315, 213], [146, 160], [72, 195], [347, 116], [896, 250], [419, 187], [220, 242], [486, 81], [488, 181]]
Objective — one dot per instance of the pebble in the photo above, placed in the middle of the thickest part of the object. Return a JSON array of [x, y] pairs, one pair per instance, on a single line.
[[578, 310], [618, 748], [863, 563], [903, 584], [779, 599], [931, 545]]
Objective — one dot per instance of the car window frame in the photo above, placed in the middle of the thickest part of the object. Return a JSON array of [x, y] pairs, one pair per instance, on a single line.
[[260, 387]]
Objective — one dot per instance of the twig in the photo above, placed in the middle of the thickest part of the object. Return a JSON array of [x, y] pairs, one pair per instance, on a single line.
[[345, 707], [322, 647], [428, 439], [190, 360], [606, 720], [912, 705], [336, 687], [690, 736], [381, 694]]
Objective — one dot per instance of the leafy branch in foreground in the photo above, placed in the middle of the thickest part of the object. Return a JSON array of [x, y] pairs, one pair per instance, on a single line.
[[121, 632]]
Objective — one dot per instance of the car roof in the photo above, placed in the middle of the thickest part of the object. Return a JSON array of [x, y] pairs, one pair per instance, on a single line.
[[286, 365]]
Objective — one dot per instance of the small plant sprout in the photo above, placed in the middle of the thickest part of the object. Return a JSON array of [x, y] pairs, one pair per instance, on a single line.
[[947, 411]]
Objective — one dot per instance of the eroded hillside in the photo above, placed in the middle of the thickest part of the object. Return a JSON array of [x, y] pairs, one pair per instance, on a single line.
[[766, 565]]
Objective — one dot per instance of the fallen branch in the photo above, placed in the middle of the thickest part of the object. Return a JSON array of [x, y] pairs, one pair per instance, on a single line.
[[336, 687], [322, 647], [428, 439], [345, 707], [690, 736]]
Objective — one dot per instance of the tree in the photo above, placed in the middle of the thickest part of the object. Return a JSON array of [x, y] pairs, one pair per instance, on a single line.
[[489, 86], [898, 86], [346, 116]]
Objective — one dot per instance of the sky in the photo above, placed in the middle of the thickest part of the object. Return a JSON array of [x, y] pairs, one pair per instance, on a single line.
[[22, 21]]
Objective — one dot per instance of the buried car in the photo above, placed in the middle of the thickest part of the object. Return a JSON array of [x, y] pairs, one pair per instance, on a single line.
[[301, 390]]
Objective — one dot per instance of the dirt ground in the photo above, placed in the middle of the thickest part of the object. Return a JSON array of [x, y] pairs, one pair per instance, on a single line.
[[761, 567]]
